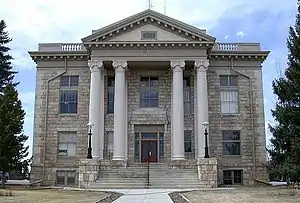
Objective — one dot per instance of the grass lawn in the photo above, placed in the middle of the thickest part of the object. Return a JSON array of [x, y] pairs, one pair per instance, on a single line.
[[51, 196], [245, 195]]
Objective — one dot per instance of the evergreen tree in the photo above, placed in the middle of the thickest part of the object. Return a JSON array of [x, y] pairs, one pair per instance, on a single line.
[[12, 149], [6, 72], [285, 151], [12, 139]]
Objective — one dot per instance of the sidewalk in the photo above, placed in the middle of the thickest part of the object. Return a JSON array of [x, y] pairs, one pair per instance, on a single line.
[[144, 195]]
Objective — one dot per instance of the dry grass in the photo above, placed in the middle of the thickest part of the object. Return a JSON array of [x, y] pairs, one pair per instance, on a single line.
[[246, 195], [51, 196]]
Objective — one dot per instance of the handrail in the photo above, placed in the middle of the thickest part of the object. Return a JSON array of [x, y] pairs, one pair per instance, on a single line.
[[148, 173]]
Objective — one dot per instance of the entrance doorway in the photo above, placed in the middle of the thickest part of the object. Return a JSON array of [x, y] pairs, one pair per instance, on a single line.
[[149, 150]]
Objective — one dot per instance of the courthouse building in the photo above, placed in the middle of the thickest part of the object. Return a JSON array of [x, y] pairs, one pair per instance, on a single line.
[[148, 84]]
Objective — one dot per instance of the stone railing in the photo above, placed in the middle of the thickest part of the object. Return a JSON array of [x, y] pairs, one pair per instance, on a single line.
[[61, 47], [236, 47]]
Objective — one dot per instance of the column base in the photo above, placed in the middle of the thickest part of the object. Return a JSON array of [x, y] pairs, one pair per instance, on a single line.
[[178, 158], [118, 158]]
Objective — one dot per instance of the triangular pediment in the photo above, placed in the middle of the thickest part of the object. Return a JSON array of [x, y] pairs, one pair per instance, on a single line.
[[162, 27]]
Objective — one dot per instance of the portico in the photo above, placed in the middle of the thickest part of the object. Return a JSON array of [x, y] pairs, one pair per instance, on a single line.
[[120, 135]]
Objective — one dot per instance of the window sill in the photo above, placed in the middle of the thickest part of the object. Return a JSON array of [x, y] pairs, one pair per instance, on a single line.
[[232, 156], [68, 115], [230, 115]]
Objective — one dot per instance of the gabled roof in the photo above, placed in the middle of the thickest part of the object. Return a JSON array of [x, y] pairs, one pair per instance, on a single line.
[[148, 17]]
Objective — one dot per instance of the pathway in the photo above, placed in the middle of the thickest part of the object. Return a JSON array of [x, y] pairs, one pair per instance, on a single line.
[[144, 195]]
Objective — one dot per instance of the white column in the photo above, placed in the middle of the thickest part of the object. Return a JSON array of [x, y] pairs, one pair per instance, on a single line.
[[119, 110], [95, 112], [202, 103], [177, 110]]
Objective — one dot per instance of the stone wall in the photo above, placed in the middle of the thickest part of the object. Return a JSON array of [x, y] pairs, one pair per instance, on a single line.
[[208, 171], [88, 172]]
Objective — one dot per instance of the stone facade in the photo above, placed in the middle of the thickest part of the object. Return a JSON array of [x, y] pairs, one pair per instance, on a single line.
[[241, 60]]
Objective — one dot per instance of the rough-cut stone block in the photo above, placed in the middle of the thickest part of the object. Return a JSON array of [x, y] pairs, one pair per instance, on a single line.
[[88, 172], [207, 171]]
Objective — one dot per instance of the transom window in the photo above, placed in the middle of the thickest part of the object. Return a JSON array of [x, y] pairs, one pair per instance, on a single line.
[[67, 144], [110, 94], [231, 142], [187, 95], [232, 177], [229, 94], [148, 92], [69, 94]]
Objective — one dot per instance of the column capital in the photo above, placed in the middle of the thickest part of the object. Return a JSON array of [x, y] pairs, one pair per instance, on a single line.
[[177, 63], [201, 65], [95, 65], [119, 63]]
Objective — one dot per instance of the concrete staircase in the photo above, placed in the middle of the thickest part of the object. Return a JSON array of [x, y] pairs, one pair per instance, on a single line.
[[163, 176], [160, 176], [133, 176]]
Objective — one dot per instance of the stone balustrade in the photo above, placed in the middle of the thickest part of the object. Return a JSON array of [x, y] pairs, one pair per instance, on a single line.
[[77, 47]]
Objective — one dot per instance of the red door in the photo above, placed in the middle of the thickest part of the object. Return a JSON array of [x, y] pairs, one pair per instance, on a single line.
[[149, 150]]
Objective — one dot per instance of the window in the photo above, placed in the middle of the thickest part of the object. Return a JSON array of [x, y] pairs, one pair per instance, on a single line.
[[110, 94], [148, 35], [231, 177], [65, 177], [136, 147], [67, 144], [187, 95], [187, 141], [149, 92], [229, 94], [231, 142], [69, 94], [161, 145]]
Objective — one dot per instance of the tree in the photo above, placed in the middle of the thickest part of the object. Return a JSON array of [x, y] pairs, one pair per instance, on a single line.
[[285, 151], [12, 138], [6, 72]]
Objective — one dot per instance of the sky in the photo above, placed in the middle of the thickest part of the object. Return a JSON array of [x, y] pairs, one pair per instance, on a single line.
[[40, 21]]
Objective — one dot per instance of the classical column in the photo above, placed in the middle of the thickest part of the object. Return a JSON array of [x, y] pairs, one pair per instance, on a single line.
[[177, 110], [120, 110], [95, 112], [202, 103]]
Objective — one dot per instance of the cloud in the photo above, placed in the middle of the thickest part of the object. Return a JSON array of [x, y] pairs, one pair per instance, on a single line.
[[240, 34]]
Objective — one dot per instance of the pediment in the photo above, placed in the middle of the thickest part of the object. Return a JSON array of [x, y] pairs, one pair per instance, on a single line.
[[130, 29]]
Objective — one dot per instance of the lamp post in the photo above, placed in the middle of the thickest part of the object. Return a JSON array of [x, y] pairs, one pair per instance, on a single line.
[[206, 155], [89, 156]]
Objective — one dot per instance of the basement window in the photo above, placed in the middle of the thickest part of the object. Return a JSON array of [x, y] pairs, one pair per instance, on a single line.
[[232, 177], [148, 35]]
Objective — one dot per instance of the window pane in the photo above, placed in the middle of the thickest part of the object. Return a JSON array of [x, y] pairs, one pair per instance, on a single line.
[[227, 177], [153, 82], [187, 146], [186, 82], [144, 82], [71, 178], [237, 176], [230, 135], [224, 80], [153, 95], [153, 103], [72, 107], [144, 94], [187, 108], [74, 80], [229, 101], [71, 149], [187, 94], [149, 135], [110, 107], [144, 103], [231, 148], [64, 81], [60, 180], [110, 82], [233, 80]]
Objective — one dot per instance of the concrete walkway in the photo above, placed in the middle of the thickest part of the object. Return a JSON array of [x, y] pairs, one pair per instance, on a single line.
[[144, 195]]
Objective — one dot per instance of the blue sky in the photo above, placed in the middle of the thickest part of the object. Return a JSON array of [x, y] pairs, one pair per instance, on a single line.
[[34, 21]]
